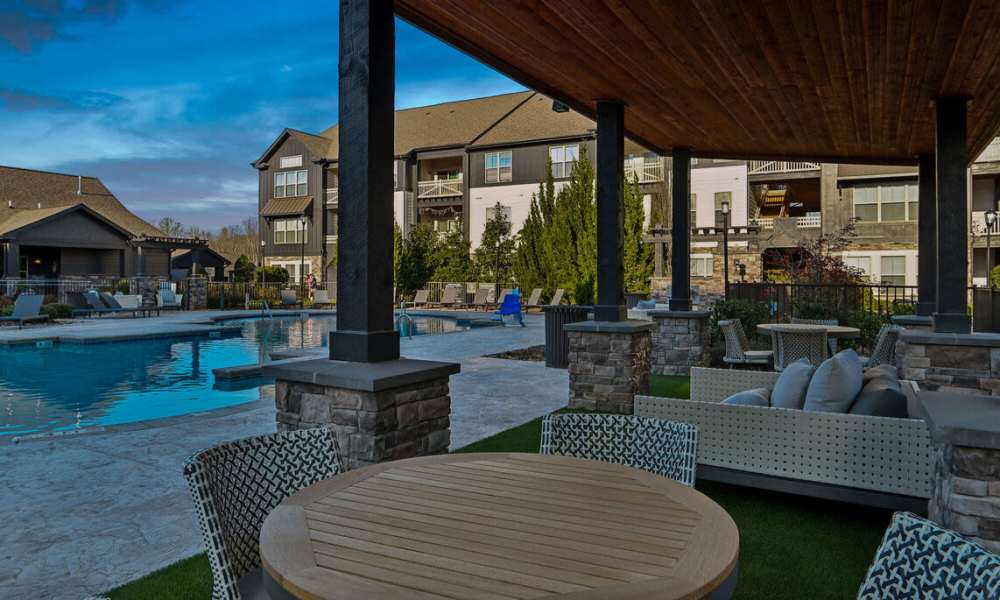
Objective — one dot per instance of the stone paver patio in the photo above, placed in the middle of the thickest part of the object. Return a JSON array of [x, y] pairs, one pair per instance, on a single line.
[[86, 513]]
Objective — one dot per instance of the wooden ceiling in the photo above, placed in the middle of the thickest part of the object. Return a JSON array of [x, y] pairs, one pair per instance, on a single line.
[[834, 80]]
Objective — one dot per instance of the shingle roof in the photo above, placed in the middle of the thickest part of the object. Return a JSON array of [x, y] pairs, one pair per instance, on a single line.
[[21, 218], [27, 191], [279, 207]]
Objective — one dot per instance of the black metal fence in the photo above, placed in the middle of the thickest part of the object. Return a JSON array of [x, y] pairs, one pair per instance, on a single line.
[[788, 299], [253, 294], [55, 290], [986, 309]]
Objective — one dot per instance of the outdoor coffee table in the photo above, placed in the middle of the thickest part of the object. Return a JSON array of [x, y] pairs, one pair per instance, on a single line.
[[499, 526], [835, 331]]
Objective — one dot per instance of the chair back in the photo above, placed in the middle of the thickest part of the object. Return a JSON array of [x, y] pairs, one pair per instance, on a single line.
[[321, 296], [450, 295], [736, 339], [884, 351], [235, 486], [480, 296], [288, 296], [421, 296], [667, 448], [536, 295], [793, 343], [110, 300], [826, 322], [511, 305], [94, 300], [76, 300], [921, 559], [557, 297], [27, 305]]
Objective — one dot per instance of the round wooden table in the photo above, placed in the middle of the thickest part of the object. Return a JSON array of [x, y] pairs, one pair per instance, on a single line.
[[834, 331], [497, 526]]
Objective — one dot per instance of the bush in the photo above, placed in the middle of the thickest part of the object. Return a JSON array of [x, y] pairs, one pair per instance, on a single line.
[[244, 270], [275, 274], [584, 292], [57, 311], [124, 287]]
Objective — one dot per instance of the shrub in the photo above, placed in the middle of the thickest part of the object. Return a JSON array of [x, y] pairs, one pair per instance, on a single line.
[[57, 310], [584, 292], [124, 287], [274, 273]]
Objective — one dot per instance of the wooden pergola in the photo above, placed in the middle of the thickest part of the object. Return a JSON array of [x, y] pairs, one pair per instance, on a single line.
[[863, 81]]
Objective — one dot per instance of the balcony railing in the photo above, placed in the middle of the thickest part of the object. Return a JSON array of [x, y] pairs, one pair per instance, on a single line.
[[439, 188], [766, 167], [979, 223], [644, 171], [991, 153], [331, 196], [805, 222]]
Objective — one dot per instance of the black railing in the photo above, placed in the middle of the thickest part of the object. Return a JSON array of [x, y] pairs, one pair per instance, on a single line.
[[56, 290], [986, 309], [253, 294], [789, 299]]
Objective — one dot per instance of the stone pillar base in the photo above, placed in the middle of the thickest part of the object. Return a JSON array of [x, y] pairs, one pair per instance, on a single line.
[[681, 340], [914, 322], [197, 293], [952, 323], [608, 364], [967, 363], [379, 411]]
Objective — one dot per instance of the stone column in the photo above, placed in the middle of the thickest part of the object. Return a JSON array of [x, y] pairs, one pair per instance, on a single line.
[[966, 493], [380, 411], [147, 288], [608, 364], [197, 293], [681, 340]]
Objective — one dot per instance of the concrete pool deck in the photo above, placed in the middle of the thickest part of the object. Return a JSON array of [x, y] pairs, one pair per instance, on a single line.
[[86, 513]]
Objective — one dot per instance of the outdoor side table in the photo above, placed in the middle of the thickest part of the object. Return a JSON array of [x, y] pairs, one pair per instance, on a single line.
[[499, 526], [834, 331]]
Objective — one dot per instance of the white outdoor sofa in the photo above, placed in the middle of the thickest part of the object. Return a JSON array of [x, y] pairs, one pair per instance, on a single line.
[[877, 461]]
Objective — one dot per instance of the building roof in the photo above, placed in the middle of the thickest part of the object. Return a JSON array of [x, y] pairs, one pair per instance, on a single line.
[[281, 207], [207, 250], [28, 195]]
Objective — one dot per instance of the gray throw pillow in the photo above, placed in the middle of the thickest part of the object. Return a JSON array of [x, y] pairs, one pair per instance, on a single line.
[[881, 371], [881, 397], [790, 389], [646, 304], [754, 397], [835, 384]]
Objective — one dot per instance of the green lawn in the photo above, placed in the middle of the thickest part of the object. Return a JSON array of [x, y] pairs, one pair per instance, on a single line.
[[790, 547]]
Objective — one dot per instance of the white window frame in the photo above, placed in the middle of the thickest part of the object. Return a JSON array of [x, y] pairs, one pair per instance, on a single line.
[[563, 167], [910, 201], [702, 265], [284, 234], [300, 185], [293, 269], [499, 173], [882, 271], [491, 210], [290, 162], [693, 206]]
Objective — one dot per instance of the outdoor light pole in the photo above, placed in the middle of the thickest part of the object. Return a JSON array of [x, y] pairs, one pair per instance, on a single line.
[[725, 246], [991, 218]]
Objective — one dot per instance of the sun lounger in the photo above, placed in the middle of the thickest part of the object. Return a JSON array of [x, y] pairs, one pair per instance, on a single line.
[[322, 298], [420, 298], [27, 308], [167, 299], [557, 297], [534, 299], [289, 298], [79, 303], [479, 300], [451, 297], [114, 306]]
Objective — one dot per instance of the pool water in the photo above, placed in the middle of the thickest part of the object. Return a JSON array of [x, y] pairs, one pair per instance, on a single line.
[[71, 386]]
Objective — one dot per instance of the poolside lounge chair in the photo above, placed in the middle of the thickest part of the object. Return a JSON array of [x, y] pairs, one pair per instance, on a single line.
[[27, 308], [167, 299], [668, 448], [534, 299], [114, 306], [79, 303], [420, 298], [481, 298], [451, 297], [97, 306], [557, 297], [235, 486], [289, 298], [920, 559], [322, 298], [511, 306]]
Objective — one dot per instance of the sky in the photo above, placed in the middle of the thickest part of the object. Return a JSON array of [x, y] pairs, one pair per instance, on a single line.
[[168, 101]]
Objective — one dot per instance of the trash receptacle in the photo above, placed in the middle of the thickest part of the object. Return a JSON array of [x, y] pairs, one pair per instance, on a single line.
[[556, 341]]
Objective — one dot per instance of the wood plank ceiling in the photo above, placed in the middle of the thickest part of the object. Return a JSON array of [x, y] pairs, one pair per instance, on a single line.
[[835, 80]]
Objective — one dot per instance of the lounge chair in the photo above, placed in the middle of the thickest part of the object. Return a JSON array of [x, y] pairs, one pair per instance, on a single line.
[[167, 299], [27, 309], [738, 350], [289, 298], [451, 297], [557, 297], [480, 299], [511, 306], [420, 298], [79, 303], [534, 299], [97, 306], [114, 306], [322, 298]]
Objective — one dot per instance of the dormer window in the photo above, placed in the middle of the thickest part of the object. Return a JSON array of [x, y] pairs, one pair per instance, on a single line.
[[290, 183]]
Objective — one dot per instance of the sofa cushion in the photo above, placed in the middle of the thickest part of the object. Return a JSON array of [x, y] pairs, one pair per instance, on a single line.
[[881, 397], [646, 304], [754, 397], [790, 389], [883, 370], [835, 384]]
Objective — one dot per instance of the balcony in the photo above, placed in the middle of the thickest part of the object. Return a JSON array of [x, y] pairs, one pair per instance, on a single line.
[[439, 188], [768, 167], [643, 170], [807, 222], [978, 226], [991, 153], [331, 196]]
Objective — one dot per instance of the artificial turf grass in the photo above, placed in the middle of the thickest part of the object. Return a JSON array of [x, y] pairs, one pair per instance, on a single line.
[[791, 547]]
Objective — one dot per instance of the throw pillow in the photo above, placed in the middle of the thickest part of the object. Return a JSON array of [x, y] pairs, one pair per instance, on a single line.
[[646, 304], [836, 383], [790, 389], [754, 397], [881, 397], [881, 371]]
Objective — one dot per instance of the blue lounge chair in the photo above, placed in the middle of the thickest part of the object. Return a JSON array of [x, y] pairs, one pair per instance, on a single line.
[[511, 306], [27, 308]]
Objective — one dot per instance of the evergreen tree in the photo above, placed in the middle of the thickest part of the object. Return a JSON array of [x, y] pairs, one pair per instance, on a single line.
[[571, 233], [451, 257], [397, 251], [415, 261], [529, 258], [244, 269], [493, 258], [638, 256]]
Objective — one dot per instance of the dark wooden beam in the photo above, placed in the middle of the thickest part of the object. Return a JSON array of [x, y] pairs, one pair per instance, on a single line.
[[680, 229], [610, 212], [927, 266], [952, 216], [364, 266]]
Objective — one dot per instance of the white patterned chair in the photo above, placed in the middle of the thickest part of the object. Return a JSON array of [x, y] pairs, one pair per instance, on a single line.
[[235, 485], [662, 447], [884, 351], [831, 341], [920, 560], [792, 343], [738, 350], [878, 461]]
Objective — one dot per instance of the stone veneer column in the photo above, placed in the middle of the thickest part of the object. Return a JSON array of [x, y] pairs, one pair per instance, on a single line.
[[968, 362], [379, 411], [147, 288], [966, 494], [197, 291], [681, 340], [608, 364]]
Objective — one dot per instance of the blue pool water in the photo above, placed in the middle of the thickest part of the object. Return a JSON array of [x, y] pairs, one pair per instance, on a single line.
[[71, 386]]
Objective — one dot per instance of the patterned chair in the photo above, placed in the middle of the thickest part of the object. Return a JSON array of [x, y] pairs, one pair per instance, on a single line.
[[235, 486], [666, 448], [738, 350], [884, 352], [792, 343], [831, 342], [919, 559]]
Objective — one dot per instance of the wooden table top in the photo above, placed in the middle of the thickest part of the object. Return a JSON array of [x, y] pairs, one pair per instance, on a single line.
[[837, 331], [498, 526]]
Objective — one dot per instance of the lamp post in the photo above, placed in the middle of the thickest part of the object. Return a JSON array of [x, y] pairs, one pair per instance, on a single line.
[[991, 218], [725, 246]]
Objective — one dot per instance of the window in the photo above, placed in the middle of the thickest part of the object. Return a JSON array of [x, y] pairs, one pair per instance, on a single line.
[[293, 269], [498, 167], [290, 183], [564, 159], [862, 264], [289, 231], [894, 270], [289, 162], [702, 266], [721, 197], [491, 212], [885, 202], [395, 174], [693, 203]]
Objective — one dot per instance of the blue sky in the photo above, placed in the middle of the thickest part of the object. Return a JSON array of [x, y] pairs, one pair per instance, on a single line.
[[168, 101]]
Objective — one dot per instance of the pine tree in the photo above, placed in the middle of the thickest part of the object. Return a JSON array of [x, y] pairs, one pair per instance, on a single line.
[[493, 258], [451, 257], [397, 251], [415, 262], [638, 258], [571, 233], [529, 266]]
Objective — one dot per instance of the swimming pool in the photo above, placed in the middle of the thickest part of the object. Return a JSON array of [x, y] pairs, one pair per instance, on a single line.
[[73, 386]]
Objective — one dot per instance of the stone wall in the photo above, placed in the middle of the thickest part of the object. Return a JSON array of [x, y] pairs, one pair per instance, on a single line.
[[608, 367], [681, 340], [371, 427], [197, 293], [966, 496], [950, 362]]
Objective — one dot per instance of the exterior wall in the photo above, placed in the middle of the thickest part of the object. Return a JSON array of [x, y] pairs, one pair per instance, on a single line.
[[74, 230], [314, 237], [517, 197], [909, 251], [313, 262], [705, 182], [527, 162], [398, 206]]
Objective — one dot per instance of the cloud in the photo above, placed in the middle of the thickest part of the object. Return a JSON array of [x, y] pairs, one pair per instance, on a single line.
[[24, 24]]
